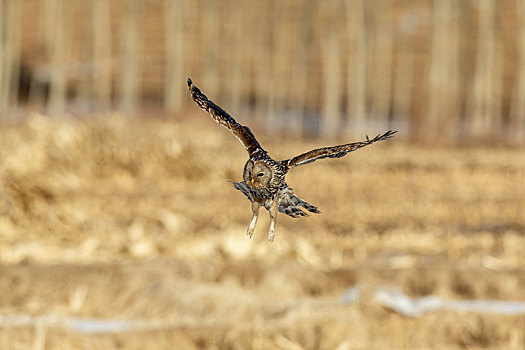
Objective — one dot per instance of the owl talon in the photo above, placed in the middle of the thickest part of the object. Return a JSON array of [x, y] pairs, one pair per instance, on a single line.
[[249, 233], [271, 236]]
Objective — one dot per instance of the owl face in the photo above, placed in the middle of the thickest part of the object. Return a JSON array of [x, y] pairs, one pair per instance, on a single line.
[[257, 174]]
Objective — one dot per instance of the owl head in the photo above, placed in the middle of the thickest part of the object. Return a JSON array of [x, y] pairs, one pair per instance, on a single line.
[[257, 174]]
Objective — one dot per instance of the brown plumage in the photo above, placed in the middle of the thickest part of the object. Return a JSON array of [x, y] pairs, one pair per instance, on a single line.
[[263, 178]]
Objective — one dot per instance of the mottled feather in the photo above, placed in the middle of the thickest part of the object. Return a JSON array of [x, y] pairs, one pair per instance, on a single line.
[[334, 151], [241, 132], [290, 204]]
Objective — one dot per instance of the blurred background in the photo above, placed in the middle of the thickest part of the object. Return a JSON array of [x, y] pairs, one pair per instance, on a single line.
[[118, 228], [436, 70]]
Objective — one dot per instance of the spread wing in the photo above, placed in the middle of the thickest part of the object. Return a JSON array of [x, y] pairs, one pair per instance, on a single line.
[[242, 133], [334, 151]]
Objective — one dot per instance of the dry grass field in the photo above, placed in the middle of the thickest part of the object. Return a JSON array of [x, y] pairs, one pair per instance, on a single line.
[[120, 219]]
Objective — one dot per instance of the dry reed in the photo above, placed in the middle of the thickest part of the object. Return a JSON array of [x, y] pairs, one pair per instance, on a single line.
[[133, 219]]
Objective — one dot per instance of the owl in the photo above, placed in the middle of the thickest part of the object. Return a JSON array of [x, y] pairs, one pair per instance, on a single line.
[[263, 177]]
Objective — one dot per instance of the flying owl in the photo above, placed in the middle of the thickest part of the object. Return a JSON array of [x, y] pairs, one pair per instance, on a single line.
[[263, 177]]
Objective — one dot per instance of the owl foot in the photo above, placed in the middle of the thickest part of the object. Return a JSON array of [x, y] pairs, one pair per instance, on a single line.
[[271, 235], [251, 227], [253, 221]]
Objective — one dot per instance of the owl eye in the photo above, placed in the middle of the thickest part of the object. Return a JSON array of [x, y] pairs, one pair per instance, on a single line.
[[260, 174]]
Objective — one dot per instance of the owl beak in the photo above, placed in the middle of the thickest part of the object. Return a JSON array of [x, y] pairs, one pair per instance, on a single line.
[[252, 180]]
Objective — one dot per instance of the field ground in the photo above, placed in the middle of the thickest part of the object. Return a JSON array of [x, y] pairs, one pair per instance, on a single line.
[[120, 219]]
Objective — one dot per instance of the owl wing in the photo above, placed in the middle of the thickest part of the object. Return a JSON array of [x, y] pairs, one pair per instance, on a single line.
[[334, 151], [241, 132]]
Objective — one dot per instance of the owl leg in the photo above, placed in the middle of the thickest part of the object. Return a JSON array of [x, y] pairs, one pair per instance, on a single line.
[[255, 210], [273, 216]]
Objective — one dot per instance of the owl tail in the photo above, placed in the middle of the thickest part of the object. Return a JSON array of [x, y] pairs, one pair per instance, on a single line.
[[289, 204]]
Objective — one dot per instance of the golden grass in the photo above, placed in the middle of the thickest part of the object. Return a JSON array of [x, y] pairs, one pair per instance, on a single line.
[[133, 219]]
